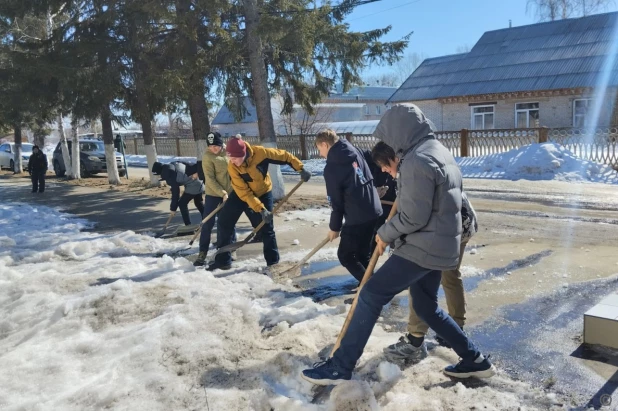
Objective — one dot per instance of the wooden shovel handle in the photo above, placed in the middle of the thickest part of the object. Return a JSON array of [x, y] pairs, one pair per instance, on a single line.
[[368, 273], [172, 213], [205, 220], [237, 245]]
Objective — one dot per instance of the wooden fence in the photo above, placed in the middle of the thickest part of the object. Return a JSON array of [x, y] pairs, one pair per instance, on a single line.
[[599, 145]]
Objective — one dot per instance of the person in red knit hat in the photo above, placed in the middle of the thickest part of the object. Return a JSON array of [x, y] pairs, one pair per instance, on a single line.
[[248, 169]]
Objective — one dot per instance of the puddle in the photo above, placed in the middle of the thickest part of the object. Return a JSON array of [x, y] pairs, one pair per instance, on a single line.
[[536, 214], [321, 289], [319, 266]]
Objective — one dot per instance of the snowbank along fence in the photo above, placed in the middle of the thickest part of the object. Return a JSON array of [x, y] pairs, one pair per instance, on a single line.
[[599, 145]]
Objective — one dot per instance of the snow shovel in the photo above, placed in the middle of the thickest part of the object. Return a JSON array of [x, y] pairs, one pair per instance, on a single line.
[[162, 232], [235, 246], [208, 217], [295, 270]]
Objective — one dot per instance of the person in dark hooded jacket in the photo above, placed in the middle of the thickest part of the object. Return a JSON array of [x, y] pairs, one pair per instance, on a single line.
[[351, 193], [426, 230], [386, 187], [180, 174], [37, 167]]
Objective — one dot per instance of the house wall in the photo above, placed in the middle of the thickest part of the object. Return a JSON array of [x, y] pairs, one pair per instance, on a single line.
[[250, 129], [556, 111]]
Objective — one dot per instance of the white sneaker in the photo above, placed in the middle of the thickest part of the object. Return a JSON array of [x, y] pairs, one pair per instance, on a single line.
[[234, 256]]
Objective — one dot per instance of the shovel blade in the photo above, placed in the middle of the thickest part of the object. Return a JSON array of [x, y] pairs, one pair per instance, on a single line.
[[230, 247]]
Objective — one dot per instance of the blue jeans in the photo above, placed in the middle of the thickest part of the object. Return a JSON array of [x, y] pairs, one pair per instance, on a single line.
[[226, 222], [210, 204], [393, 277]]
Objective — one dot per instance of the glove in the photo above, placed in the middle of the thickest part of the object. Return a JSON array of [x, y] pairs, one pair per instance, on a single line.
[[382, 191], [267, 216], [305, 175]]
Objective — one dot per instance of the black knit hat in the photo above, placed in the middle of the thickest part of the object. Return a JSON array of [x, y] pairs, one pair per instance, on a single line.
[[214, 139], [156, 168]]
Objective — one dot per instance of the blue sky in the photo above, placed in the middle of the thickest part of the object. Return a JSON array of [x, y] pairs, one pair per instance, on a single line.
[[440, 26]]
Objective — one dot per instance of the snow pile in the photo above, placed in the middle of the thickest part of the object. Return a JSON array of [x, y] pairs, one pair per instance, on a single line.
[[315, 166], [547, 161], [312, 215], [141, 161], [91, 321]]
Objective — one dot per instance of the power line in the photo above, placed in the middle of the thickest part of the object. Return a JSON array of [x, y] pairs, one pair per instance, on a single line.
[[334, 8]]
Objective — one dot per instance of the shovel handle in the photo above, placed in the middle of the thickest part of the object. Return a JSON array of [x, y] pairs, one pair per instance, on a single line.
[[368, 273], [208, 217], [259, 227], [172, 214], [312, 252]]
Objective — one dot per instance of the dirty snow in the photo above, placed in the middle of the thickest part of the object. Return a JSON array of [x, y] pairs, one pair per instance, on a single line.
[[93, 321], [141, 161]]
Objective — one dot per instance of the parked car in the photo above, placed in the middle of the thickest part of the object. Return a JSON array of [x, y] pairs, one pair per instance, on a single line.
[[7, 155], [91, 156]]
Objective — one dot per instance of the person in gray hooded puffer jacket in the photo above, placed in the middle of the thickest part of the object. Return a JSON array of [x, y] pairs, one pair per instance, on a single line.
[[427, 231]]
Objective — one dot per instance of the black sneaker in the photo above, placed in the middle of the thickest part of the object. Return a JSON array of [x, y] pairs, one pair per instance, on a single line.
[[475, 368], [326, 373], [217, 266]]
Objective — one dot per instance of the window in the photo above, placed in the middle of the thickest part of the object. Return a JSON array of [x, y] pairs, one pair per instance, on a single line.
[[526, 115], [581, 111], [378, 110], [482, 117], [5, 148], [366, 110]]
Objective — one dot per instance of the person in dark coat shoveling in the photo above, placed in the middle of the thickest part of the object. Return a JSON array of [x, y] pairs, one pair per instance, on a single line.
[[179, 174]]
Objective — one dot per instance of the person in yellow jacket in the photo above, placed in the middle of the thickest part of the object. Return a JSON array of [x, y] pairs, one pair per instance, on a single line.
[[248, 170]]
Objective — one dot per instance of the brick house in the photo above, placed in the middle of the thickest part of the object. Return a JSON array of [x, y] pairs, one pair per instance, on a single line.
[[357, 111], [540, 75]]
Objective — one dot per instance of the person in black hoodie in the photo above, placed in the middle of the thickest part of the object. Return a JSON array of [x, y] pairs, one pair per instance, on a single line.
[[386, 186], [351, 194], [37, 167], [180, 174]]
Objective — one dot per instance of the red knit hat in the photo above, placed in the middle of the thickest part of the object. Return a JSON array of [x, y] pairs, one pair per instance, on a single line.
[[236, 147]]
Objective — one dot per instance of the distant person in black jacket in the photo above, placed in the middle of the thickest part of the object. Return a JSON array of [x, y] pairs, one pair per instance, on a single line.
[[351, 194], [37, 167], [386, 186], [180, 174]]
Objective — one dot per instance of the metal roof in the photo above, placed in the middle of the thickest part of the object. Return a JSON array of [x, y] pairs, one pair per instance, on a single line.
[[555, 55]]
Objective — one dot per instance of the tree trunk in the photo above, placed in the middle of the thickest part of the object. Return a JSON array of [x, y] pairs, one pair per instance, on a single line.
[[18, 166], [261, 94], [66, 155], [198, 108], [75, 163], [110, 151]]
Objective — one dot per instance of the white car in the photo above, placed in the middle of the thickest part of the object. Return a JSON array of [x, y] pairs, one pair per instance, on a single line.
[[7, 153]]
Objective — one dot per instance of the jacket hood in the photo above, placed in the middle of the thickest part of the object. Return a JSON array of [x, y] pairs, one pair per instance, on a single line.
[[342, 152], [403, 127]]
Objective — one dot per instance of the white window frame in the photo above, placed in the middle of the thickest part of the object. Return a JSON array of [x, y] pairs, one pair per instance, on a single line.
[[366, 109], [589, 100], [378, 110], [472, 114], [527, 111]]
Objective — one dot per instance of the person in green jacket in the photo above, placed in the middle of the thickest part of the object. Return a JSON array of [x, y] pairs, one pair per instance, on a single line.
[[218, 186]]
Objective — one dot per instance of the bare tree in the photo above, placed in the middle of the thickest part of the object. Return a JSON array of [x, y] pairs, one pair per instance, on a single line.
[[302, 124], [464, 48], [550, 10], [399, 72]]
